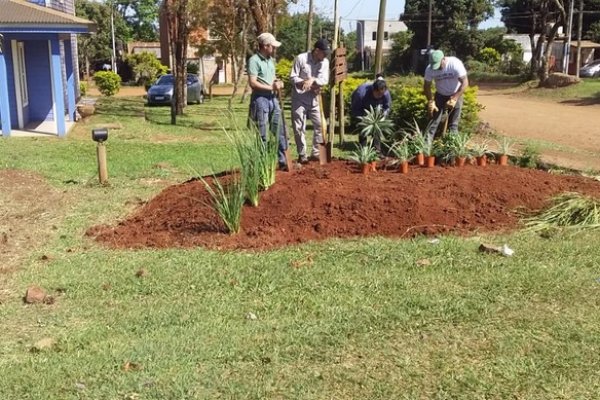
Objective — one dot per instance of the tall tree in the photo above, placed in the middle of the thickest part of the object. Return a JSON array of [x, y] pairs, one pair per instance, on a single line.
[[454, 24], [96, 49], [177, 18], [292, 33], [142, 17], [536, 17]]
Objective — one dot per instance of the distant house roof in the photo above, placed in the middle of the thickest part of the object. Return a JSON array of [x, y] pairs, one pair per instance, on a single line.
[[586, 44], [23, 16]]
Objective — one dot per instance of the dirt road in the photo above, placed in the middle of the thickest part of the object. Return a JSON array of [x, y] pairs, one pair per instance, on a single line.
[[569, 133]]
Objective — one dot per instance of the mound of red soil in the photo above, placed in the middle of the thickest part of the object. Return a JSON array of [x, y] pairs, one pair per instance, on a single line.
[[335, 200]]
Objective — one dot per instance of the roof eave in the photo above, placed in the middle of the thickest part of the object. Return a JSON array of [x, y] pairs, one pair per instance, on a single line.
[[47, 28]]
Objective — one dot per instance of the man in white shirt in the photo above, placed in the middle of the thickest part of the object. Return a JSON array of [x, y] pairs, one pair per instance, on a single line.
[[450, 77], [310, 73]]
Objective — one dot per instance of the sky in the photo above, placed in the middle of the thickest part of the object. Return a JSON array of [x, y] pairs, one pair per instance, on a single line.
[[351, 10]]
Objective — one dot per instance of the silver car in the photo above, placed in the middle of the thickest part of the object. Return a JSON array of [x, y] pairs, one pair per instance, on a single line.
[[590, 70], [162, 91]]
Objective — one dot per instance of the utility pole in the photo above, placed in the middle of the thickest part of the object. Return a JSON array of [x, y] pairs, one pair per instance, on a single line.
[[379, 47], [112, 31], [429, 24], [579, 31], [311, 7], [567, 52], [334, 46]]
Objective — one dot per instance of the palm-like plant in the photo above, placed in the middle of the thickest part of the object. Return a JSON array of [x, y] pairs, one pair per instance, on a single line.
[[505, 145], [364, 154], [458, 145], [375, 125], [401, 150]]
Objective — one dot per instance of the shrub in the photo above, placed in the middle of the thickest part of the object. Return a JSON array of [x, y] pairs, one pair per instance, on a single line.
[[108, 82], [83, 88], [283, 70], [192, 68], [489, 56], [530, 157], [146, 67]]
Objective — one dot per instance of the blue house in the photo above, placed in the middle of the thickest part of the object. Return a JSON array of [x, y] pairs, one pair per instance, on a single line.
[[38, 64]]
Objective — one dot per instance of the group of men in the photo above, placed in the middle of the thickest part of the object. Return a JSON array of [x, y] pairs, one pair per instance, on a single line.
[[310, 73]]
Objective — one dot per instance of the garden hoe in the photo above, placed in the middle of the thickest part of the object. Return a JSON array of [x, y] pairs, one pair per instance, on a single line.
[[288, 156], [325, 146]]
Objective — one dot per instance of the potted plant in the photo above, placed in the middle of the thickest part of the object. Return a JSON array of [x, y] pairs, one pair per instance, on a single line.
[[458, 148], [429, 152], [364, 156], [481, 151], [375, 126], [417, 142], [401, 151], [504, 147]]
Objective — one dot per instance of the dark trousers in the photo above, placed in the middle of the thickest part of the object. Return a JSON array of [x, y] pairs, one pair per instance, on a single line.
[[266, 113], [453, 115]]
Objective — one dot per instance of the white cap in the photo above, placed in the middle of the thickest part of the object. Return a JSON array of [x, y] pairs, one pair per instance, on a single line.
[[268, 38]]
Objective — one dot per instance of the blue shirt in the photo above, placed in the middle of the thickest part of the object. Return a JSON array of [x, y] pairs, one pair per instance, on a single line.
[[362, 99]]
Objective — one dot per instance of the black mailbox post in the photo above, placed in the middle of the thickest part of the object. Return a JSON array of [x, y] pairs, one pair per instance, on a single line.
[[100, 135]]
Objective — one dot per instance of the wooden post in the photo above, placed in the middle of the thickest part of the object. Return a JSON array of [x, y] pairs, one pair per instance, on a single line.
[[102, 169], [342, 116]]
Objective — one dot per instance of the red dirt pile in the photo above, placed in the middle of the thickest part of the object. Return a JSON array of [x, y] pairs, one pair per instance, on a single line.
[[319, 202]]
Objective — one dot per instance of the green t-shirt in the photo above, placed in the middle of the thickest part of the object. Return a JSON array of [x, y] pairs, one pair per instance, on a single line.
[[263, 68]]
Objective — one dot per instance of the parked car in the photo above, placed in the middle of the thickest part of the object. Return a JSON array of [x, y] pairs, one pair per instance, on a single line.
[[162, 91], [590, 70]]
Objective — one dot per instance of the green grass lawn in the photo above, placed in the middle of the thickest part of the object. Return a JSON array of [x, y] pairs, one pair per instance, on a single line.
[[352, 319], [587, 92]]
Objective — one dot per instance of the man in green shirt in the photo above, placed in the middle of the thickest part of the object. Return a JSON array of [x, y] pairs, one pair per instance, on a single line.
[[265, 110]]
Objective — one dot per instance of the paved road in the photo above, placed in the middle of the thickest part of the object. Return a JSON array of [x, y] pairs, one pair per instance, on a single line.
[[573, 129]]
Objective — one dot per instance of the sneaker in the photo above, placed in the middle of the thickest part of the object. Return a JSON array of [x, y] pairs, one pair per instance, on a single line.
[[314, 157], [283, 167], [303, 160]]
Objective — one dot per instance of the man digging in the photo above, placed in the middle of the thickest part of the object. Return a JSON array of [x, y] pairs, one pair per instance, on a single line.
[[450, 77]]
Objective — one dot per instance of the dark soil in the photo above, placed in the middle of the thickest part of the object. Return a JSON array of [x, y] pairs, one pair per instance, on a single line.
[[316, 203]]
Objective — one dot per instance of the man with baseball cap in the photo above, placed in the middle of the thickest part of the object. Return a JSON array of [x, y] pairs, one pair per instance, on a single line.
[[265, 109], [310, 72], [450, 77]]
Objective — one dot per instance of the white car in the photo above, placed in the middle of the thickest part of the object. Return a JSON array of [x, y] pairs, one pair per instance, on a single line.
[[590, 70]]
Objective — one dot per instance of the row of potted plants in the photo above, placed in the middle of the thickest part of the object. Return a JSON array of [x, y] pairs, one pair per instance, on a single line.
[[453, 149]]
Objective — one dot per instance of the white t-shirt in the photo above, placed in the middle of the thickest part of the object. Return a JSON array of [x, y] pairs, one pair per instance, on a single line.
[[446, 79]]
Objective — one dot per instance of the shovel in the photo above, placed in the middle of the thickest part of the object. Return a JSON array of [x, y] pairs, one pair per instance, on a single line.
[[324, 147], [288, 157]]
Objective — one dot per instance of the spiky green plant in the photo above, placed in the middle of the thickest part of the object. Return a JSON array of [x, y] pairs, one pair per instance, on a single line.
[[375, 125], [457, 145], [248, 150], [401, 150], [481, 149], [267, 165], [228, 201], [505, 145], [417, 137], [363, 154], [567, 211]]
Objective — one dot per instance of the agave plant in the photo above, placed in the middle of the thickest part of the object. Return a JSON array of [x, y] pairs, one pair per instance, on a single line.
[[505, 145], [481, 149], [375, 125], [401, 150], [364, 154], [458, 145]]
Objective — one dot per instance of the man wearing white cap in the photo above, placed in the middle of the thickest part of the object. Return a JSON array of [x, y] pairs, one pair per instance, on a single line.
[[265, 109], [451, 81], [310, 72]]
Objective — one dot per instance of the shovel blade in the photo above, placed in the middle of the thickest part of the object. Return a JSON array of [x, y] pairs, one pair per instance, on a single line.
[[329, 151], [323, 153], [288, 160]]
